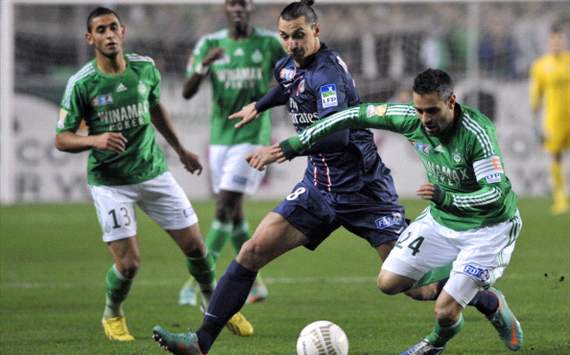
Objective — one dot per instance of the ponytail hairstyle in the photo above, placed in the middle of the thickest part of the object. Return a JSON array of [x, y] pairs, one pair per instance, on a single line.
[[300, 8]]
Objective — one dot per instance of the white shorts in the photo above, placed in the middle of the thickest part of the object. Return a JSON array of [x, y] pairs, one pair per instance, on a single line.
[[229, 170], [161, 198], [481, 254]]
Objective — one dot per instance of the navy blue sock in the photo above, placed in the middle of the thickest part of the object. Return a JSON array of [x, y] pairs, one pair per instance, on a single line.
[[486, 302], [228, 298]]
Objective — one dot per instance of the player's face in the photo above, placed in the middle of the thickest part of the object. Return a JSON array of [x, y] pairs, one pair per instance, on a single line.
[[106, 35], [300, 38], [238, 12], [435, 114], [557, 42]]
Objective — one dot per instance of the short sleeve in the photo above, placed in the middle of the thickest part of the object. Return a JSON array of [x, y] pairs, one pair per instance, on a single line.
[[154, 95], [330, 90], [72, 108], [200, 51]]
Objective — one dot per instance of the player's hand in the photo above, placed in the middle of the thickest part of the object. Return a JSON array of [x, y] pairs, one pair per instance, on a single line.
[[430, 192], [112, 141], [261, 157], [277, 152], [213, 55], [247, 114], [190, 161]]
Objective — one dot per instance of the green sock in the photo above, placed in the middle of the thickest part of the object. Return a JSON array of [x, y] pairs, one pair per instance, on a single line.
[[435, 275], [203, 271], [441, 335], [217, 236], [117, 290], [240, 234]]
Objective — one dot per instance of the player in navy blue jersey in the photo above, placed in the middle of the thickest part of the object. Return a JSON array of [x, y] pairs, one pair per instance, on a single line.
[[345, 183]]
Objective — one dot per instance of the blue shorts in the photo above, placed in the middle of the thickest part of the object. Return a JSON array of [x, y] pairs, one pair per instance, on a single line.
[[317, 214]]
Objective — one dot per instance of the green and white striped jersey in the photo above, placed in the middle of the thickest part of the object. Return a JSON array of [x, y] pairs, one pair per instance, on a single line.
[[241, 76], [116, 103], [466, 163]]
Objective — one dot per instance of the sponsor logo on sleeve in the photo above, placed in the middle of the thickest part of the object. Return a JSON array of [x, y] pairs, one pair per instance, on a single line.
[[493, 178], [381, 110], [328, 95]]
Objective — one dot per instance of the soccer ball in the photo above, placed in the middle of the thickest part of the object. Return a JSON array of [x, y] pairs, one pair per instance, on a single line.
[[322, 338]]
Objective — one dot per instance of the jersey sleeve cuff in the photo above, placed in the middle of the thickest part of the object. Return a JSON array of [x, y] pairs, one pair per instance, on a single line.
[[291, 147]]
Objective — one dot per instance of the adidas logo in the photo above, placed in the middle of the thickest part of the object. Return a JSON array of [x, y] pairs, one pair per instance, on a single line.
[[238, 52], [121, 87]]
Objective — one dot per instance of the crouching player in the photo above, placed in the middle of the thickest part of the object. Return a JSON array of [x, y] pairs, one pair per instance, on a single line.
[[472, 220]]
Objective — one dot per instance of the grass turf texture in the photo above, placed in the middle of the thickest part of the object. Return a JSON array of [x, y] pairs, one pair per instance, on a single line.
[[53, 264]]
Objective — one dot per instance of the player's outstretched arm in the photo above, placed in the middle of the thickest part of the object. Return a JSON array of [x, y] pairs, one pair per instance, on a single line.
[[247, 114], [393, 117], [73, 143], [275, 97], [161, 120], [263, 156]]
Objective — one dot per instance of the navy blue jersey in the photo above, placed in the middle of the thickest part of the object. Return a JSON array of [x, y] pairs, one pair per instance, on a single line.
[[324, 86]]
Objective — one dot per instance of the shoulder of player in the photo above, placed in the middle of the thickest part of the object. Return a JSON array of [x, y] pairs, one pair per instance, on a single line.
[[81, 76], [86, 71], [478, 127], [137, 59], [212, 37], [327, 59], [264, 33]]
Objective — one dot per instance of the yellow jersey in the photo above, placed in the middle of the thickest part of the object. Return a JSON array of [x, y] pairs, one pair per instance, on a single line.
[[550, 86]]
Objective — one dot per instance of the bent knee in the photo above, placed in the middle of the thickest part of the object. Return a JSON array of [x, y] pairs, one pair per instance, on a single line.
[[447, 314], [251, 255], [392, 284], [129, 267], [387, 285]]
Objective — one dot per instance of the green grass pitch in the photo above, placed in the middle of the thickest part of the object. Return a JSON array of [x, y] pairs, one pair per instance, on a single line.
[[53, 263]]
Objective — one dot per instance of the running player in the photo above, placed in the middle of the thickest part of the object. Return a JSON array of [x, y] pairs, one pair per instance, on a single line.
[[345, 183], [472, 220]]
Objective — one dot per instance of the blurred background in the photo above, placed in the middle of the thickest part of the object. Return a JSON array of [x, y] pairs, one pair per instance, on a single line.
[[487, 47]]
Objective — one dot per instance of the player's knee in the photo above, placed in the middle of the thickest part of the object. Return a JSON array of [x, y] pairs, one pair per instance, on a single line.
[[194, 250], [128, 267], [446, 315], [387, 285], [251, 255]]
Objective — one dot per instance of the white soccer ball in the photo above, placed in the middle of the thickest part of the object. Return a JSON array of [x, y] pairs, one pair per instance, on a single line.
[[322, 338]]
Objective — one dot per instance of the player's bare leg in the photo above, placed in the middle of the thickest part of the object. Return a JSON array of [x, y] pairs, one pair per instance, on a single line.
[[201, 266], [560, 199], [273, 237]]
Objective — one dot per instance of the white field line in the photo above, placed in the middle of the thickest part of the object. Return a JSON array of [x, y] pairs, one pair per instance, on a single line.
[[171, 282]]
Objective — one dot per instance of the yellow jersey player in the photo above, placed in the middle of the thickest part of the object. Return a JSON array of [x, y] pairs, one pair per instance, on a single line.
[[550, 88]]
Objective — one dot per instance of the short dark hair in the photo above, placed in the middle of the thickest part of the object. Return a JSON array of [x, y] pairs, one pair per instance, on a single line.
[[100, 11], [299, 8], [434, 80]]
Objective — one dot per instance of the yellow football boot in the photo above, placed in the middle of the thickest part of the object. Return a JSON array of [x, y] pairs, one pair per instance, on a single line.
[[116, 329], [240, 326]]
